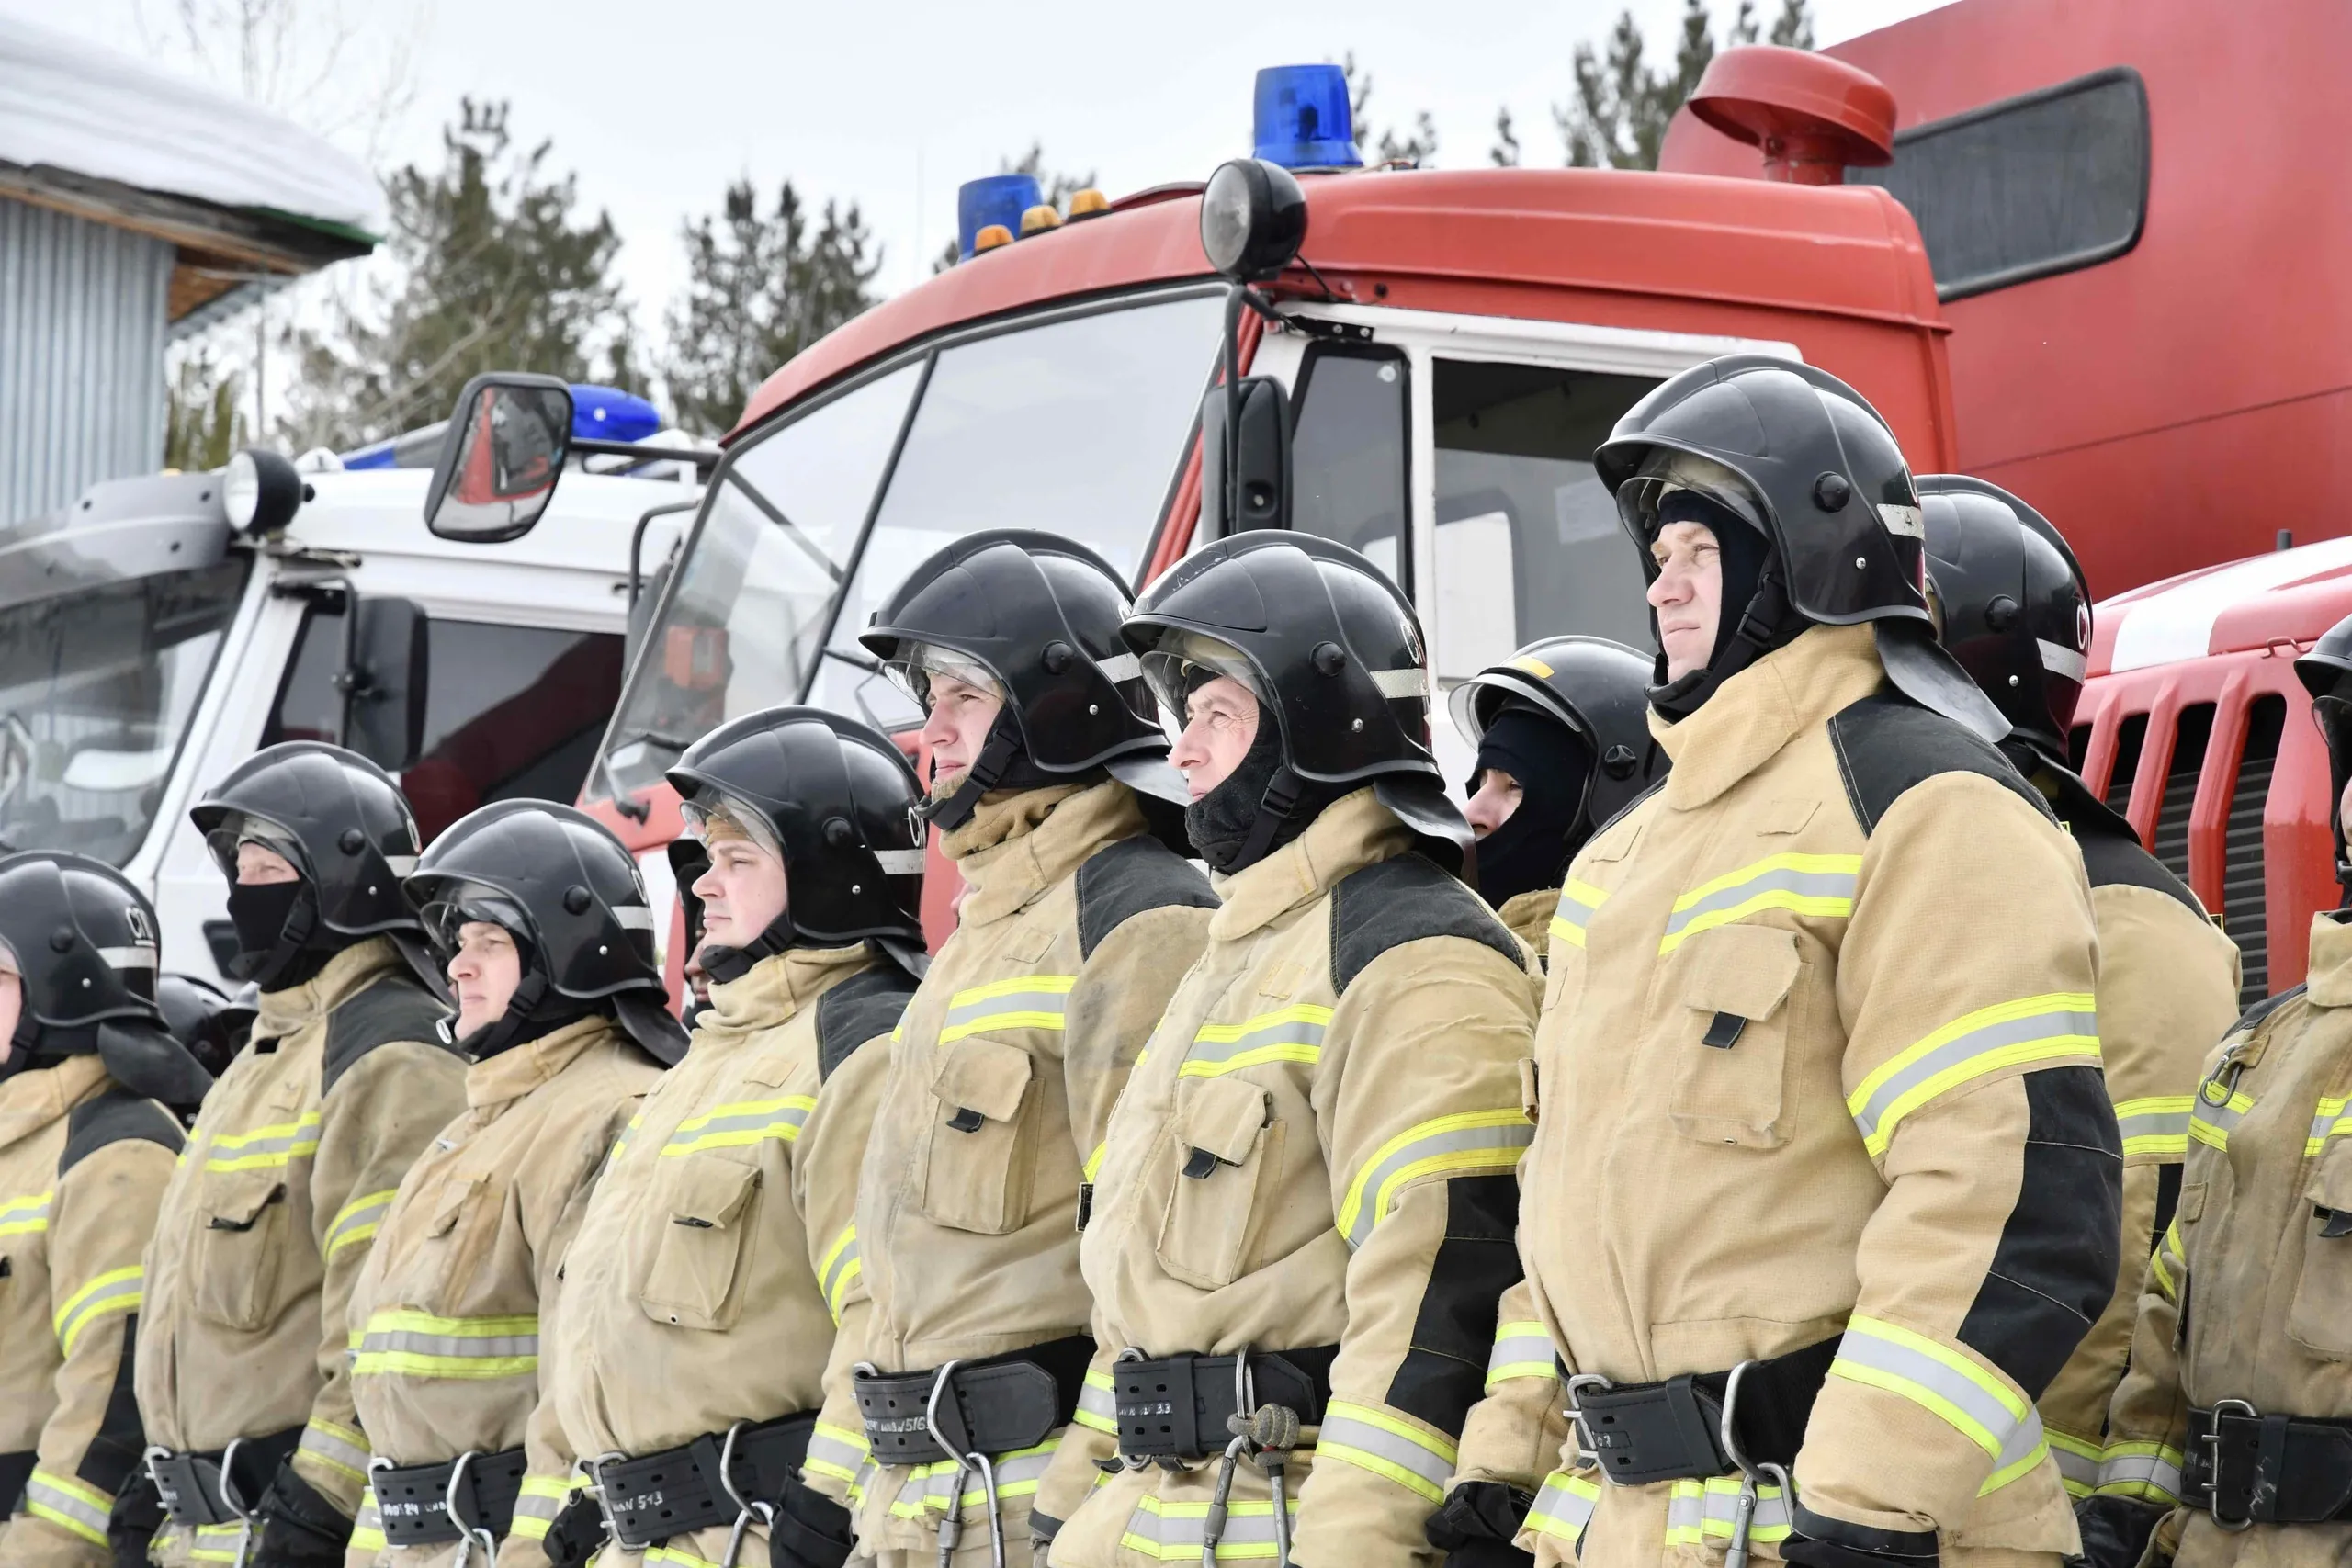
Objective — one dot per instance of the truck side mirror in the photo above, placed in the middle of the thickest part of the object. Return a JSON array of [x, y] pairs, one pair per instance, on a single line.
[[500, 458], [1261, 460], [383, 681]]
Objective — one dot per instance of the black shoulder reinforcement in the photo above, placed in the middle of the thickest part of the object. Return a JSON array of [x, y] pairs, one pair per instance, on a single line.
[[110, 1117], [1129, 877], [1625, 810], [395, 1007], [2114, 858], [2264, 1009], [1400, 901], [1887, 744], [866, 1004]]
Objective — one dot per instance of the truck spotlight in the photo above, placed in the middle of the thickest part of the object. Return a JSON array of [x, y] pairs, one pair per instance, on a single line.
[[261, 491], [1254, 218]]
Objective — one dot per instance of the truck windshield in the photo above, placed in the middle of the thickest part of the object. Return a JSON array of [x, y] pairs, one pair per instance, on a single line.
[[97, 690], [1075, 426]]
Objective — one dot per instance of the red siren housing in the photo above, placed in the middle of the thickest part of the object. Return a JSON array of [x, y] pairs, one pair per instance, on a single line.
[[1814, 117]]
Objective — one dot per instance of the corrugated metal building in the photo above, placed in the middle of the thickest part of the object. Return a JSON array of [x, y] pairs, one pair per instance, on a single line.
[[133, 202]]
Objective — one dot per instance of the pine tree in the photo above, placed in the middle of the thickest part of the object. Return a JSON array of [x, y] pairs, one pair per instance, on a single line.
[[204, 420], [1416, 147], [759, 290], [1504, 154], [1617, 118], [495, 272]]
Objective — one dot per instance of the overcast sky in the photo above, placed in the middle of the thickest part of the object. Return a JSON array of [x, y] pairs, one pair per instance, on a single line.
[[659, 105]]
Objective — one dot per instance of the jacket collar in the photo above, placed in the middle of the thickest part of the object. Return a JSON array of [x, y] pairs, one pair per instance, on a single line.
[[33, 1098], [1752, 716], [345, 974], [517, 1071], [1350, 833], [774, 991], [1049, 839], [2329, 973]]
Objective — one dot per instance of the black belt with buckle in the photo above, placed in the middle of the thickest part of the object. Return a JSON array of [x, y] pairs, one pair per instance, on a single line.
[[713, 1481], [414, 1500], [1176, 1406], [989, 1405], [1674, 1431], [2246, 1468], [189, 1483]]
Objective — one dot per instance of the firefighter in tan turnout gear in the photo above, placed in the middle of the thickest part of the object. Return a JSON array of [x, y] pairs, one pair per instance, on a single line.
[[1053, 795], [1304, 1220], [2231, 1437], [290, 1166], [85, 1149], [1564, 746], [2013, 608], [1825, 1186], [718, 1254], [541, 921]]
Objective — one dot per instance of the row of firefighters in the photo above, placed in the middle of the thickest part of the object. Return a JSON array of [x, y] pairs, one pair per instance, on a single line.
[[1809, 1147]]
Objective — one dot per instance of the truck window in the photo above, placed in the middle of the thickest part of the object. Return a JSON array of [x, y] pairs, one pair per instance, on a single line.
[[511, 712], [97, 690], [1348, 453], [2043, 183], [1528, 542]]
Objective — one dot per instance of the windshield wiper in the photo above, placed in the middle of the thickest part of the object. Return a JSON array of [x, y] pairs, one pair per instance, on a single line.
[[792, 530], [627, 804], [662, 739]]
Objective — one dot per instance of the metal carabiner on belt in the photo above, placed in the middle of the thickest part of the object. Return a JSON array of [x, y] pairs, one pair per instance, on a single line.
[[469, 1531], [745, 1509], [234, 1501], [1245, 1401], [951, 1525], [1751, 1474]]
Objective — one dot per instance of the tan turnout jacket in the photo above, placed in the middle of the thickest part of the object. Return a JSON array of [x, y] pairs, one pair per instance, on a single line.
[[1316, 1149], [2245, 1299], [454, 1313], [1898, 1139], [83, 1165], [293, 1162], [1074, 929], [675, 1329], [1529, 916]]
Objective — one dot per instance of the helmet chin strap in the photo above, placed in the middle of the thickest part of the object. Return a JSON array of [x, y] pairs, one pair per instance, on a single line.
[[725, 965], [996, 758], [1761, 624], [1284, 791]]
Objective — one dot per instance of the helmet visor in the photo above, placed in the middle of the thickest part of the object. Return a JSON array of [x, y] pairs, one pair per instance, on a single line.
[[456, 905], [714, 814], [241, 828], [1665, 470], [919, 663]]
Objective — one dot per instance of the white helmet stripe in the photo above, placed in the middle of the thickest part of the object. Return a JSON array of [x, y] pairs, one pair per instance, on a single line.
[[633, 917], [1903, 520], [1121, 668], [1397, 683], [140, 957], [900, 863], [2062, 661]]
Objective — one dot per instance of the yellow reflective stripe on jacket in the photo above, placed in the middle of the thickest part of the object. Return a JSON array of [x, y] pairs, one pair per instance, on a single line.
[[2058, 1027], [263, 1146], [1025, 1001], [1169, 1531], [836, 1452], [1975, 1401], [1468, 1143], [928, 1486], [22, 1216], [2078, 1463], [1697, 1513], [117, 1290], [358, 1220], [1564, 1506], [541, 1499], [2157, 1125], [368, 1528], [667, 1556], [418, 1345], [340, 1449], [2218, 1110], [2149, 1472], [1289, 1034], [1577, 901], [220, 1544], [622, 1142], [843, 1262], [742, 1123], [70, 1505], [2165, 1260], [1521, 1350], [1093, 1166], [1098, 1403], [2329, 1122], [1801, 884], [1383, 1444]]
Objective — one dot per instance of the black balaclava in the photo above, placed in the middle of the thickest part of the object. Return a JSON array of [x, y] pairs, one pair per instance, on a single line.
[[1219, 823], [281, 942], [537, 1008], [1755, 618], [1553, 765]]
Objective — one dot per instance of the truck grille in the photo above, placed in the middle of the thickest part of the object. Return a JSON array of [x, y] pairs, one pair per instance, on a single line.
[[2244, 907], [2181, 787], [2127, 761]]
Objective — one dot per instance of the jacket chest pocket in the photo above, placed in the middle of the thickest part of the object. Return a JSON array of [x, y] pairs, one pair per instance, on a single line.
[[976, 1156], [711, 1204], [1726, 1031], [240, 1248], [2321, 1318], [1226, 1143], [461, 1216]]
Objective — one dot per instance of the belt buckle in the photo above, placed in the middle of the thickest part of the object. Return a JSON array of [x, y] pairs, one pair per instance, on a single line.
[[1577, 1383], [595, 1469], [2213, 1464]]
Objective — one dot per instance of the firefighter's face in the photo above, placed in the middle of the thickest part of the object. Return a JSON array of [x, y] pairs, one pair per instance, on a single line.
[[1687, 594], [259, 865], [1220, 720], [484, 972], [741, 894], [962, 714], [1492, 802]]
